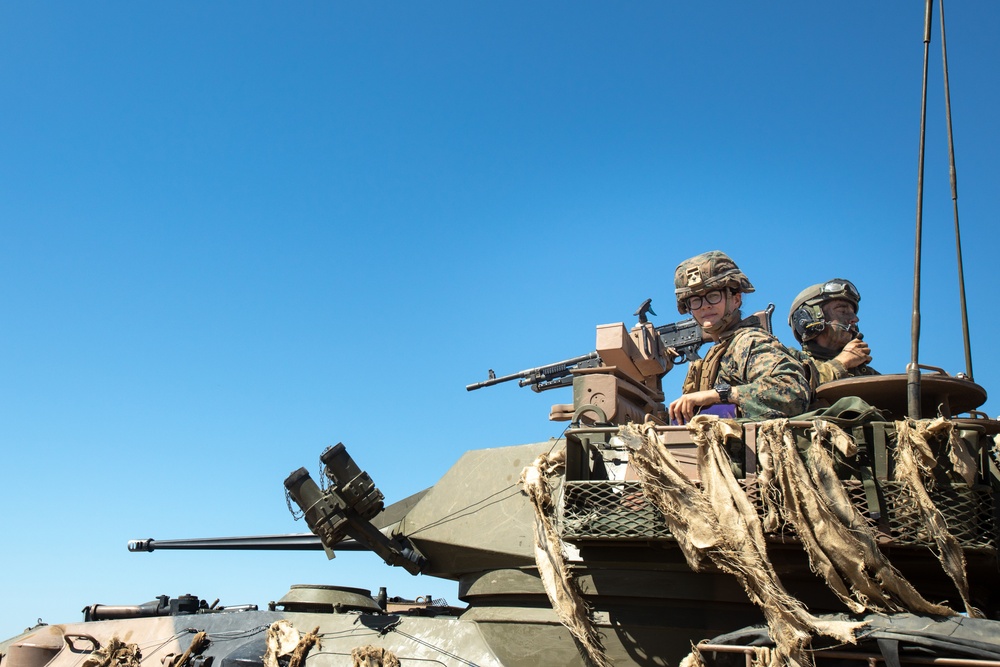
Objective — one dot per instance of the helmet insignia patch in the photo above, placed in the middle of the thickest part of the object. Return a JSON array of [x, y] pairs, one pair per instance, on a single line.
[[693, 276]]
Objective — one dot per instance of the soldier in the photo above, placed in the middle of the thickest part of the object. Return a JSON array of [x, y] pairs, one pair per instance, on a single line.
[[824, 319], [747, 366]]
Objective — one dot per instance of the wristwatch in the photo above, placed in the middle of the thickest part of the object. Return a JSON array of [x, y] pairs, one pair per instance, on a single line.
[[723, 388]]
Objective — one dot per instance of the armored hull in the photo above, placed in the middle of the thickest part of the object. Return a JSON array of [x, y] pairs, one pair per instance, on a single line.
[[645, 602]]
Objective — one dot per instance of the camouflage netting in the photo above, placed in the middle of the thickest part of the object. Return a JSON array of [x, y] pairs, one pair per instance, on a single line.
[[717, 522], [842, 548], [560, 587], [286, 647], [800, 486], [198, 644], [372, 656], [914, 463], [116, 654]]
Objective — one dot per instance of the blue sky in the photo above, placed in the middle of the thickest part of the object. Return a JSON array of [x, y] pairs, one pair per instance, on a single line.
[[234, 234]]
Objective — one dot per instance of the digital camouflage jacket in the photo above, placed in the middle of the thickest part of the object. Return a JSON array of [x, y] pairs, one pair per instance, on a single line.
[[772, 382], [824, 368]]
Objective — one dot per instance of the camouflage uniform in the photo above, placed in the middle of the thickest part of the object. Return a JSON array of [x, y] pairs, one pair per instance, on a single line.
[[771, 381], [820, 361]]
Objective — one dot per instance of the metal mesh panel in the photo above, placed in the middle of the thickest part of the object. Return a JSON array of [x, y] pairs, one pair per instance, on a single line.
[[968, 511], [856, 493], [604, 510], [618, 510]]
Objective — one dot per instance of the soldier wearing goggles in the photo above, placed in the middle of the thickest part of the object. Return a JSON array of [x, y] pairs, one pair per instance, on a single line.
[[824, 319]]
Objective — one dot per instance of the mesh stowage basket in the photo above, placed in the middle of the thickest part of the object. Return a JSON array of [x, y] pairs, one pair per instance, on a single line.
[[595, 510]]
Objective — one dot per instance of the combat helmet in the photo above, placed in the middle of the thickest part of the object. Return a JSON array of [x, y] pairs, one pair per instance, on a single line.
[[703, 273], [806, 314]]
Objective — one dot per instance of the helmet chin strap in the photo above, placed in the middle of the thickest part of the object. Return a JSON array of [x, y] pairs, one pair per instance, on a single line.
[[725, 322]]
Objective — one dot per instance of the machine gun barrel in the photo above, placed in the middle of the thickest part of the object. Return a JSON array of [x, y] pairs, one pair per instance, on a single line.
[[540, 375], [292, 542]]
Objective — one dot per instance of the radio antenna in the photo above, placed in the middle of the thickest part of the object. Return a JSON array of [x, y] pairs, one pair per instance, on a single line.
[[913, 368], [954, 197]]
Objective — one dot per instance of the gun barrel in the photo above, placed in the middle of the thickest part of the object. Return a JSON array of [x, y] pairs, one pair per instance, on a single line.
[[541, 371], [292, 542], [103, 612]]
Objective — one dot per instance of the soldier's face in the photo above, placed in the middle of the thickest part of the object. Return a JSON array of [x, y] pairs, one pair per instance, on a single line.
[[841, 315], [708, 315]]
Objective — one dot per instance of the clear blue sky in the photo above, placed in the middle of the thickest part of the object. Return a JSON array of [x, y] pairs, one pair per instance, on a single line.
[[235, 233]]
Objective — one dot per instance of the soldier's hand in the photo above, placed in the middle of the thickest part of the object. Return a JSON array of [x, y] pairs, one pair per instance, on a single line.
[[684, 408], [854, 354]]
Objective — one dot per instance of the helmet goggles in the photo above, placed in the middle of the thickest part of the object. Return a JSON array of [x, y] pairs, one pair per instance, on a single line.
[[806, 316], [838, 288]]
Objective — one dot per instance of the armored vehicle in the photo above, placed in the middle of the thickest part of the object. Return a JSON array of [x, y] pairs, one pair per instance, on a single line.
[[865, 530], [857, 533]]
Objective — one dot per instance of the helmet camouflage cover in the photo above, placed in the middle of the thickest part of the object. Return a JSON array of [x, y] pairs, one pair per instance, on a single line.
[[806, 314], [707, 272]]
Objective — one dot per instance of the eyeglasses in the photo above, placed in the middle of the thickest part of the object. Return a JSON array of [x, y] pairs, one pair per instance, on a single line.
[[696, 302], [842, 288]]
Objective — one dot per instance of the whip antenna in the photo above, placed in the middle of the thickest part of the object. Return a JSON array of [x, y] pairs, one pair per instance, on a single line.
[[913, 368], [954, 197]]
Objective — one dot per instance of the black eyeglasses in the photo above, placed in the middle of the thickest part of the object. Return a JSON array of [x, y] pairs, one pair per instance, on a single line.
[[843, 288], [696, 302]]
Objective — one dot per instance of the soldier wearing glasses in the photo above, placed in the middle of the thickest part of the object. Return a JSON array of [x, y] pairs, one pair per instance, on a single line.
[[746, 367], [824, 319]]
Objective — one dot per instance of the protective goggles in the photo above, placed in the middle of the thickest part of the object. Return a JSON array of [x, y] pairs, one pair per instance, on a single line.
[[843, 289]]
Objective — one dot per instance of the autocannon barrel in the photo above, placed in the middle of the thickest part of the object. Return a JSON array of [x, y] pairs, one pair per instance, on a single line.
[[291, 542]]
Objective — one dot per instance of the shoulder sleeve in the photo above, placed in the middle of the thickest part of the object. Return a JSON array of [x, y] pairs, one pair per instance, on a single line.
[[831, 370]]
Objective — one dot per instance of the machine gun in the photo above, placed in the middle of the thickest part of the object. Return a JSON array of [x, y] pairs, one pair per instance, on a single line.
[[543, 378], [686, 337], [618, 382], [622, 379]]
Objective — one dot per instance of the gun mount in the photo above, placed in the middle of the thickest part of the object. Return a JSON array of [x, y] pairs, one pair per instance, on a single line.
[[618, 382], [621, 381]]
